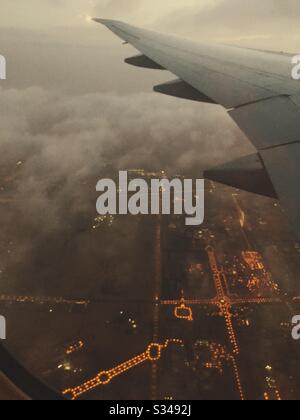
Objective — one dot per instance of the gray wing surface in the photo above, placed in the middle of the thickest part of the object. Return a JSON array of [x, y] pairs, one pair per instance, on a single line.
[[258, 92]]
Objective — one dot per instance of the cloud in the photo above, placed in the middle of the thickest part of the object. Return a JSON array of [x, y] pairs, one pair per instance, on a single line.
[[64, 140], [268, 21], [66, 144], [117, 8]]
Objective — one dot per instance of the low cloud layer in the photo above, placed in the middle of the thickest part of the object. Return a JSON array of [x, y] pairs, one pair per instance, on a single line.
[[63, 140]]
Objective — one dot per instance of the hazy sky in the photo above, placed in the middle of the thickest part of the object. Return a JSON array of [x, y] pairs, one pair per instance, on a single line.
[[38, 13], [235, 18], [53, 43]]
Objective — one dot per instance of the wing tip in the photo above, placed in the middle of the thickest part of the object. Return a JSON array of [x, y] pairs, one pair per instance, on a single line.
[[101, 20]]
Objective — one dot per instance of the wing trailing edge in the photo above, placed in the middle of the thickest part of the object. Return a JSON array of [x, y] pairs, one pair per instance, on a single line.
[[180, 89], [282, 164], [143, 61], [247, 173]]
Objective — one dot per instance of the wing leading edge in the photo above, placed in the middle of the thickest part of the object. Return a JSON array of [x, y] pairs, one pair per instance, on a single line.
[[256, 89]]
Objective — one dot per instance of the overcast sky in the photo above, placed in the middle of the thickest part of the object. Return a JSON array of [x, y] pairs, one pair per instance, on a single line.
[[53, 43], [228, 17], [38, 13]]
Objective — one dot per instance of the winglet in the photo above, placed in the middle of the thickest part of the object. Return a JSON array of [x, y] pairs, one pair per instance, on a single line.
[[103, 21]]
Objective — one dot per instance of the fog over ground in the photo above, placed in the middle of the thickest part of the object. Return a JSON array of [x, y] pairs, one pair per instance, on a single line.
[[61, 139]]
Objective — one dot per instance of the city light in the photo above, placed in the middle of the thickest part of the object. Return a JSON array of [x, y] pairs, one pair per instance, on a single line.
[[153, 353], [183, 312], [75, 347]]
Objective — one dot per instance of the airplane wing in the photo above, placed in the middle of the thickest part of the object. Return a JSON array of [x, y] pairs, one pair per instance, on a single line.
[[258, 92]]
